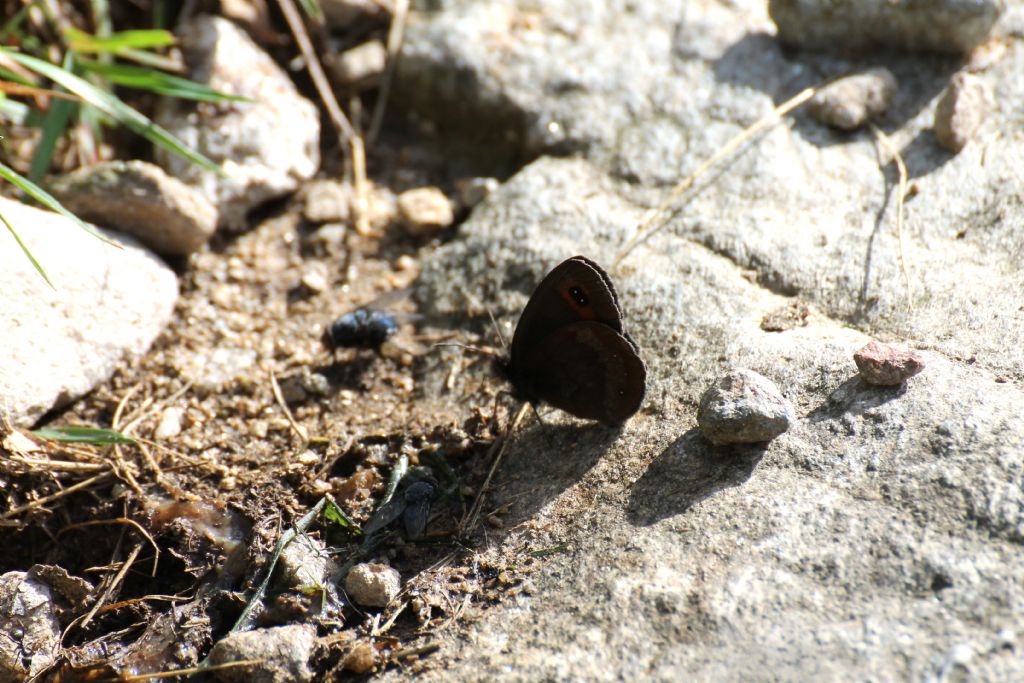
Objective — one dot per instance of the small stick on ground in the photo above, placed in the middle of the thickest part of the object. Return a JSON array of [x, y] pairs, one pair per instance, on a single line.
[[469, 523], [279, 397], [316, 71], [901, 195], [120, 520], [360, 199], [122, 469], [118, 578], [60, 494], [651, 226], [286, 538], [192, 670]]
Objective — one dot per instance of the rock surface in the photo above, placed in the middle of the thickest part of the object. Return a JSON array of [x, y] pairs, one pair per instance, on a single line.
[[59, 343], [880, 538], [138, 198], [29, 626], [265, 147]]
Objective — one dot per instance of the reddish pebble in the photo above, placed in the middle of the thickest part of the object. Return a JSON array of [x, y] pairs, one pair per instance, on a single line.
[[885, 365]]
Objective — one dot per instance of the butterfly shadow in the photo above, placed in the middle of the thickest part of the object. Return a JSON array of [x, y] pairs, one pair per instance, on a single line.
[[689, 471], [544, 460]]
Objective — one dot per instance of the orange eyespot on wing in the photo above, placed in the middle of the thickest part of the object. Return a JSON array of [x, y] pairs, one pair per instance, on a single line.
[[579, 300]]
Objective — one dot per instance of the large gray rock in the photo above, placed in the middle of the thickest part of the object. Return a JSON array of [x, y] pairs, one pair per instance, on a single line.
[[954, 26], [266, 147], [58, 344], [879, 538]]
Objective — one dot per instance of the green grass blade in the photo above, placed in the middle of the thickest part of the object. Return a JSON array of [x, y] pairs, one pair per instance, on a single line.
[[112, 107], [80, 41], [55, 125], [312, 8], [79, 434], [157, 82], [31, 258]]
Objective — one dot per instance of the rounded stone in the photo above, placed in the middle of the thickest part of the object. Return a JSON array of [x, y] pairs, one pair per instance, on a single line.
[[850, 102], [743, 407], [425, 210], [285, 652], [373, 585]]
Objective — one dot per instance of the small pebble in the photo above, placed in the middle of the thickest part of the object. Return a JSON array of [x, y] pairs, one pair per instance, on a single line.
[[361, 66], [284, 653], [170, 424], [472, 191], [316, 384], [360, 659], [343, 15], [373, 585], [885, 365], [850, 102], [326, 201], [307, 457], [743, 407], [961, 111], [425, 210], [314, 278], [381, 207]]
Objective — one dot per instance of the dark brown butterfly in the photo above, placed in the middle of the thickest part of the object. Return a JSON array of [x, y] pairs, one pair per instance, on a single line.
[[570, 350]]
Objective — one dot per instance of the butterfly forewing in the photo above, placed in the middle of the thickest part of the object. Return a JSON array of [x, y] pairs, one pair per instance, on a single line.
[[577, 289]]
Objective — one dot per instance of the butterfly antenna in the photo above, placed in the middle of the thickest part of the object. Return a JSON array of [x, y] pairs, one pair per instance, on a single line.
[[497, 330], [468, 347]]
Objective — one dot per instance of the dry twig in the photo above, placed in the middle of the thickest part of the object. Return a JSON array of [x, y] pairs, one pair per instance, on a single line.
[[651, 226], [469, 523], [396, 34], [901, 194]]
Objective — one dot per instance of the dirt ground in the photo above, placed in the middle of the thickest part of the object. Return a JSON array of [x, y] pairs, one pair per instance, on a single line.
[[189, 519]]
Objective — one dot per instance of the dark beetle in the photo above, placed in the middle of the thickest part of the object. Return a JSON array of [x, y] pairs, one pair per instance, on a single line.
[[363, 328]]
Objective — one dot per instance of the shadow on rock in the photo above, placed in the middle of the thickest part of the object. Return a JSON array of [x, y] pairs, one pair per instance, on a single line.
[[760, 62], [689, 471], [543, 461], [855, 397]]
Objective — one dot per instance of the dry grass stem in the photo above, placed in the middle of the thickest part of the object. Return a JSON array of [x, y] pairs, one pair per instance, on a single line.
[[191, 671], [84, 620], [651, 225], [470, 521], [316, 70], [56, 496], [396, 34], [120, 520], [296, 427], [901, 195]]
